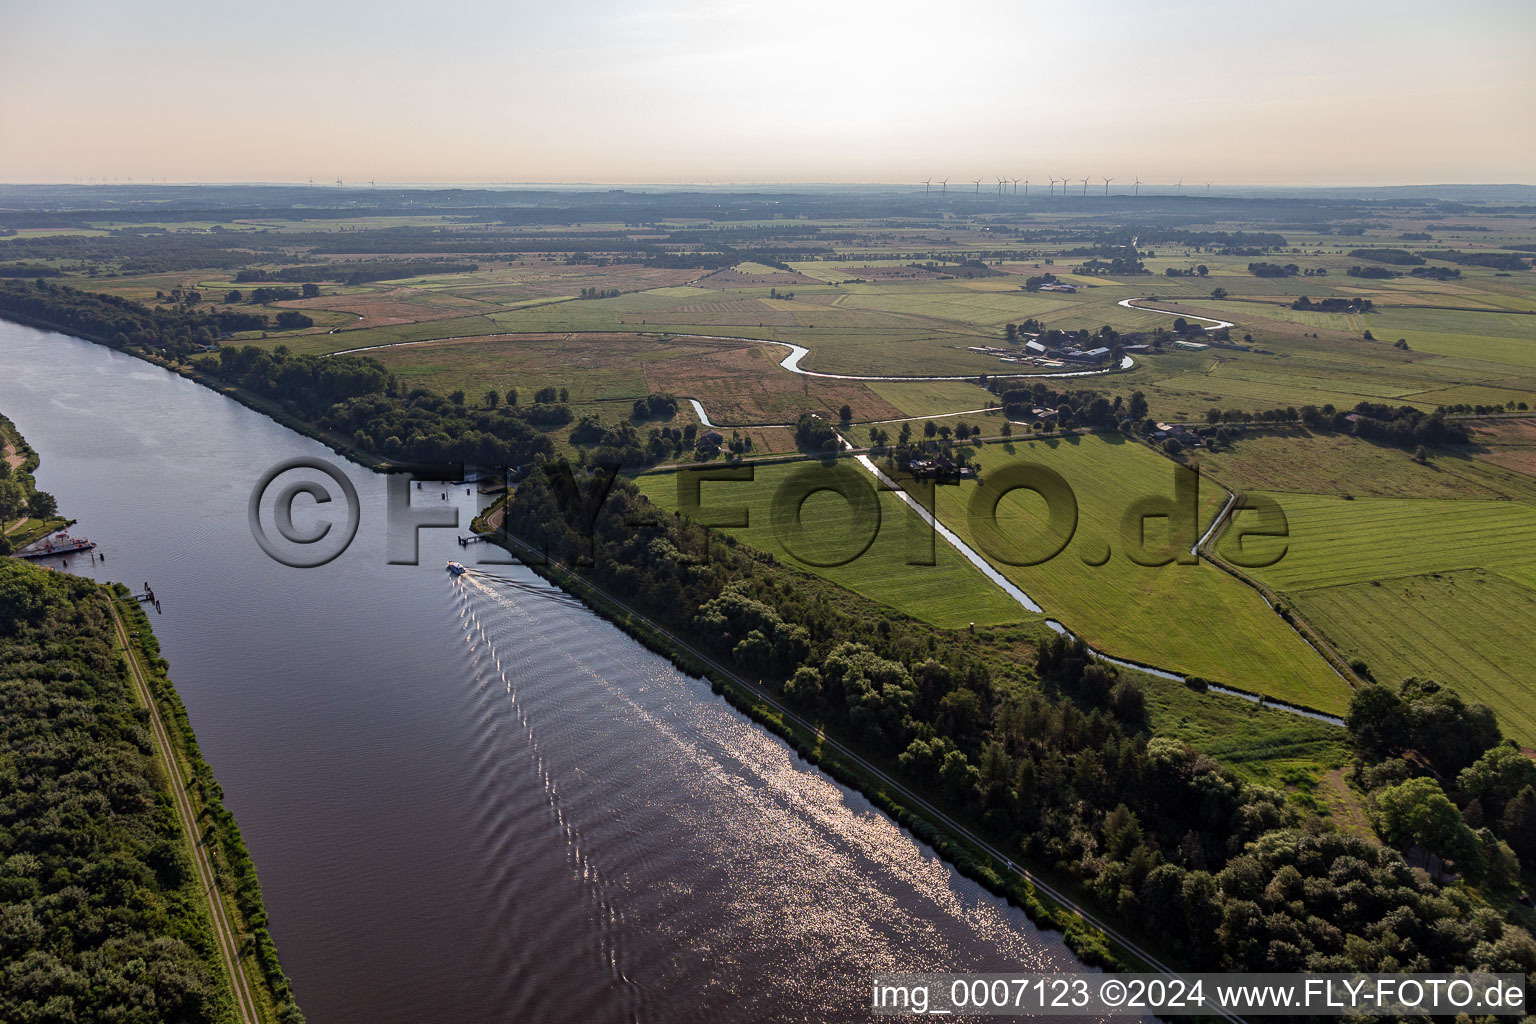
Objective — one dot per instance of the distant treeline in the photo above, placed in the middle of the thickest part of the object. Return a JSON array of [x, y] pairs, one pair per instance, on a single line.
[[141, 254], [1177, 236], [1397, 257], [1496, 260], [124, 323], [29, 270], [119, 322], [356, 271]]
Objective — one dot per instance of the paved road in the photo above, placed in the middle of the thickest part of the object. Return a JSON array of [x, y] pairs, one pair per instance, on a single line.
[[228, 941]]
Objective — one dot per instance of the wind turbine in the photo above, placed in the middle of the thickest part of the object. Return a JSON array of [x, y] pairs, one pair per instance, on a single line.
[[1137, 187], [927, 185], [1085, 183], [1063, 186], [1180, 186], [977, 183], [1053, 183], [1026, 188], [1207, 188], [1016, 185], [944, 187], [371, 184], [338, 183], [1106, 185]]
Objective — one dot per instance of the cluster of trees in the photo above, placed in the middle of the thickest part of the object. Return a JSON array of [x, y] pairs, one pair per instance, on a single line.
[[1436, 273], [1372, 272], [1289, 414], [548, 394], [1053, 761], [815, 434], [1273, 270], [621, 445], [1032, 284], [1448, 787], [1012, 332], [98, 898], [1200, 270], [655, 406], [600, 293], [1402, 425], [268, 294], [1116, 265], [1396, 257], [1355, 305], [1072, 405]]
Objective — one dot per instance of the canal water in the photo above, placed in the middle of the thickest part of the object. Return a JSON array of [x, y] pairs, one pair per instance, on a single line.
[[469, 800]]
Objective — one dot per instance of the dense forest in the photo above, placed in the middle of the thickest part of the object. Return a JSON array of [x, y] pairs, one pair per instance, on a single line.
[[121, 323], [100, 914], [1058, 760]]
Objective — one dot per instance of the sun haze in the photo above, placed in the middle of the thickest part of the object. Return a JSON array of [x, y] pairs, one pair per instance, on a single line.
[[727, 91]]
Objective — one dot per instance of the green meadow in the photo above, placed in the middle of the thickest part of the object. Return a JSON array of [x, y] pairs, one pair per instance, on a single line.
[[874, 543], [1193, 619]]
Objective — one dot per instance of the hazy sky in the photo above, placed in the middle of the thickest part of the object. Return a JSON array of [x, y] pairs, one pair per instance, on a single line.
[[1298, 92]]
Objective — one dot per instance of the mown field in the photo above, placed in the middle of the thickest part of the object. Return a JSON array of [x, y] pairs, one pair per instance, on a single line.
[[950, 593], [1303, 461], [1192, 619], [1336, 541], [1469, 628], [1414, 586]]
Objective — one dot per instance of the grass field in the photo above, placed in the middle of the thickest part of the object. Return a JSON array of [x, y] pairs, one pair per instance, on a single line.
[[1337, 464], [1188, 618], [1468, 628], [951, 593], [1441, 588], [934, 397], [1335, 541]]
